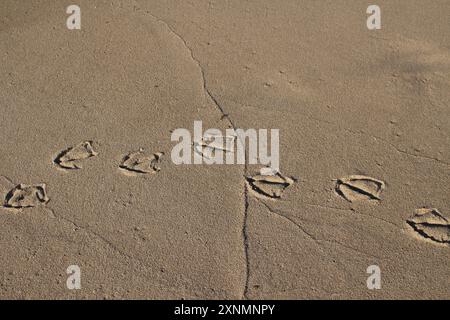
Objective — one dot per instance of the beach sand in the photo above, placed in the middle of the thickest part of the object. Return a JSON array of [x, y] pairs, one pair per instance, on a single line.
[[364, 124]]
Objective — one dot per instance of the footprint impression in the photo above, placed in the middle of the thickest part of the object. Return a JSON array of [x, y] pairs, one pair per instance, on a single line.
[[215, 145], [357, 188], [431, 224], [141, 163], [26, 196], [269, 186], [71, 158]]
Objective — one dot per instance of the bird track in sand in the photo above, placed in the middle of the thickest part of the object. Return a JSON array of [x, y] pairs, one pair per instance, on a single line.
[[71, 158], [141, 163], [430, 224], [357, 188], [26, 196]]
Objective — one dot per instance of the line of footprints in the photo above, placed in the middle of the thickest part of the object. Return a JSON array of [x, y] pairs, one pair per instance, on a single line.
[[27, 196], [428, 223]]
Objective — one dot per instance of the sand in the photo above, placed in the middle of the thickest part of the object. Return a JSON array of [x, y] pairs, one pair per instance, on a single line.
[[364, 120]]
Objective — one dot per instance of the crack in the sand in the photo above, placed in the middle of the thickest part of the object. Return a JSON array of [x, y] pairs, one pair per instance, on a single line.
[[7, 179], [96, 235], [311, 236], [224, 115], [392, 145], [352, 211], [357, 132], [246, 245], [199, 66]]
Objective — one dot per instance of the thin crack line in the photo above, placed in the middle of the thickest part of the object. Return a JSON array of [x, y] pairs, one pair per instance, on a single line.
[[199, 66], [95, 234], [310, 235], [270, 209], [352, 211], [357, 132], [7, 179], [218, 106], [246, 245], [142, 265], [392, 145]]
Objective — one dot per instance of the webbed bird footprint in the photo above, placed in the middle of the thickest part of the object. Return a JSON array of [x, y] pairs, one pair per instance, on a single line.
[[71, 158], [270, 186], [208, 146], [356, 188], [139, 162], [26, 196], [431, 224]]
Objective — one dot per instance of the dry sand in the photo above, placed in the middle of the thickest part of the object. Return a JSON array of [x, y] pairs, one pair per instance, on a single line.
[[349, 102]]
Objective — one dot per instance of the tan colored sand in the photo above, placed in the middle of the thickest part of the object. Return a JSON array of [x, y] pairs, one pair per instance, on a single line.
[[348, 101]]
